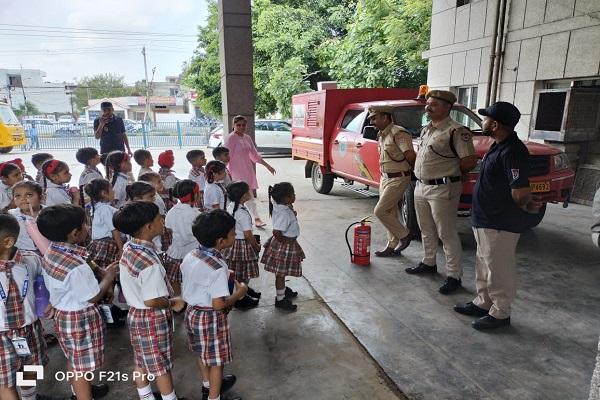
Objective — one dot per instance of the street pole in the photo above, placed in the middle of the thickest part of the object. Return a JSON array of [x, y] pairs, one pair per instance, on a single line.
[[147, 109], [23, 90]]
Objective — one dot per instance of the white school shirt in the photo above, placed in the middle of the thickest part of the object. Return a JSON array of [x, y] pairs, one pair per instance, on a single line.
[[88, 175], [30, 268], [243, 220], [6, 195], [213, 194], [198, 176], [284, 220], [57, 194], [201, 283], [120, 189], [24, 241], [179, 220], [143, 171], [102, 225], [160, 203]]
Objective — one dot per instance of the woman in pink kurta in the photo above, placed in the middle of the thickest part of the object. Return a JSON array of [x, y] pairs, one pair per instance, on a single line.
[[242, 158]]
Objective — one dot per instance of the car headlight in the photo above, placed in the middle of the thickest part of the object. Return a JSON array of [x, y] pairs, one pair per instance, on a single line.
[[561, 161]]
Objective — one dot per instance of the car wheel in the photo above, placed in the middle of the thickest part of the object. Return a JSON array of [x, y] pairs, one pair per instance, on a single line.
[[408, 212], [4, 150], [322, 183]]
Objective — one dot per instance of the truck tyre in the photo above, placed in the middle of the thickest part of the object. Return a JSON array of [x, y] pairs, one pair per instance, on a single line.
[[322, 183], [538, 217], [407, 211], [4, 150]]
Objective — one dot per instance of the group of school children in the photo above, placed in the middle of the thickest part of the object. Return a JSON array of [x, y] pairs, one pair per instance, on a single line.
[[114, 249]]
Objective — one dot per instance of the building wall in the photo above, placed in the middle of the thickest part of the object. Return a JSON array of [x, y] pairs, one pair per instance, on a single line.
[[47, 97], [546, 40]]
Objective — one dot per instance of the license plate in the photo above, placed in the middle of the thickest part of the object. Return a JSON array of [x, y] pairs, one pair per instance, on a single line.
[[540, 187]]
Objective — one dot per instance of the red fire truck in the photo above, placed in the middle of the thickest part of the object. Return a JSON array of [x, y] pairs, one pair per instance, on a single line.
[[331, 132]]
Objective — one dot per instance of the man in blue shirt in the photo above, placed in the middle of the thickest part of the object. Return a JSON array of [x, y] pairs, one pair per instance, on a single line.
[[110, 129], [502, 206]]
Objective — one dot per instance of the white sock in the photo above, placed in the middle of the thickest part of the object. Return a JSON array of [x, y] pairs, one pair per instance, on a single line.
[[280, 294], [170, 396], [206, 384], [28, 393], [145, 393], [216, 398], [252, 207]]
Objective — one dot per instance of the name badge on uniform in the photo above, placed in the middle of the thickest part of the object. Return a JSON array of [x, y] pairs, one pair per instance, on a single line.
[[21, 346], [108, 317]]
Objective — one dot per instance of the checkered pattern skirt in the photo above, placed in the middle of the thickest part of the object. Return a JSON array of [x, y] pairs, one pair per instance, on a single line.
[[172, 268], [242, 259], [208, 332], [283, 258], [103, 251], [166, 239], [81, 337], [151, 335], [10, 362]]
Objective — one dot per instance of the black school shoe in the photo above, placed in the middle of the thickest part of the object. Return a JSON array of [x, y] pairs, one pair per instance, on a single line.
[[285, 304], [290, 294], [422, 269], [226, 384], [158, 396], [246, 303], [98, 391], [451, 285], [253, 293], [470, 309], [489, 322]]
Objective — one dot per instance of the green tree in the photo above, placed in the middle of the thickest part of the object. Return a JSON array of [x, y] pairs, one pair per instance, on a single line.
[[27, 108], [99, 86]]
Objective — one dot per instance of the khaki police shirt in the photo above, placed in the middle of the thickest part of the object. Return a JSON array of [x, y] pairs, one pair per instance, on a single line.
[[435, 158], [393, 141]]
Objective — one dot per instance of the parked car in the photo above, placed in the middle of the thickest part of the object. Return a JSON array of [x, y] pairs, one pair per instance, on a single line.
[[65, 119], [132, 126], [272, 136], [67, 130]]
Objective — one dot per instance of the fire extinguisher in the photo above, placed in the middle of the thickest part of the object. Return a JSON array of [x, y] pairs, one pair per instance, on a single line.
[[362, 243]]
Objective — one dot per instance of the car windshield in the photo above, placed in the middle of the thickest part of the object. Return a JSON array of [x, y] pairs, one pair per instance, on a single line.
[[7, 116], [414, 118]]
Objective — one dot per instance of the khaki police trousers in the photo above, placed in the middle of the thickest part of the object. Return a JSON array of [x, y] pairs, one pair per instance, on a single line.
[[391, 192], [495, 270], [436, 207]]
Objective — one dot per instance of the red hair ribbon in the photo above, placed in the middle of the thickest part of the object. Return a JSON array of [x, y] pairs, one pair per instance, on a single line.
[[190, 196], [52, 165]]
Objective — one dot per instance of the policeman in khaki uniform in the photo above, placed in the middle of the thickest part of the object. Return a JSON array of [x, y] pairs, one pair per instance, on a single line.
[[396, 157], [446, 153]]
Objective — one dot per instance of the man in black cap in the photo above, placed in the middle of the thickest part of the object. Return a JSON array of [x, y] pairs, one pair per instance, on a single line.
[[502, 205], [110, 129]]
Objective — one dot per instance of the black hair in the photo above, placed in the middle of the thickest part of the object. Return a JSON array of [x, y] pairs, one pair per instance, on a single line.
[[218, 151], [193, 154], [278, 192], [141, 155], [38, 158], [94, 189], [8, 168], [113, 164], [133, 216], [212, 168], [149, 176], [29, 184], [103, 158], [138, 189], [183, 188], [239, 118], [211, 226], [235, 192], [85, 154], [56, 222], [60, 166], [9, 227]]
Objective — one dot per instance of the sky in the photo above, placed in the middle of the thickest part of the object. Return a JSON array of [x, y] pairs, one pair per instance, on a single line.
[[63, 38]]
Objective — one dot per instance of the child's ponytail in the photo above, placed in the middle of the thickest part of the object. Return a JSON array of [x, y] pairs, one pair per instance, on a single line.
[[236, 191], [113, 164], [212, 168], [185, 190], [52, 167], [94, 190], [81, 197], [270, 201]]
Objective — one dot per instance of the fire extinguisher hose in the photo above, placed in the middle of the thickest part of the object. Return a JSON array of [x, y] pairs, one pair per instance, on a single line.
[[346, 235]]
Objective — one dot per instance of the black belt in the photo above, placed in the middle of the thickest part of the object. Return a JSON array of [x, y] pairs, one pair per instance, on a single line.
[[440, 181], [396, 174]]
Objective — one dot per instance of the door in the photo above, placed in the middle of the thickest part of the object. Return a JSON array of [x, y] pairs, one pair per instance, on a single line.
[[343, 141], [367, 157]]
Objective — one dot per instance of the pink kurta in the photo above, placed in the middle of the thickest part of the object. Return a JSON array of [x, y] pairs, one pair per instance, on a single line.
[[242, 157]]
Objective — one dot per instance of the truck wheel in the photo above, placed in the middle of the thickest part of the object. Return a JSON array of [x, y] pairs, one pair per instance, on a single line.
[[538, 217], [322, 183], [407, 211], [4, 150]]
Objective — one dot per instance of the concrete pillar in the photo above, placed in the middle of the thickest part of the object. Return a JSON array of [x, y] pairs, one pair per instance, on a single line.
[[235, 54]]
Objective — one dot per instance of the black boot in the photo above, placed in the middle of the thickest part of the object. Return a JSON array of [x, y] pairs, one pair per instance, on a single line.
[[450, 286], [470, 309], [422, 269], [285, 304], [253, 293], [246, 303], [489, 322], [290, 294]]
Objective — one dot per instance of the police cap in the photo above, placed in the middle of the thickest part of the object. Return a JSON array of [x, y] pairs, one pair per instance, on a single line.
[[502, 112], [374, 110], [444, 95]]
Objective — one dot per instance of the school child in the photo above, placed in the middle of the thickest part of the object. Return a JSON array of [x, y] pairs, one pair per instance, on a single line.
[[178, 221], [56, 184], [147, 291], [90, 158], [222, 154], [74, 292], [283, 255], [27, 196], [144, 159], [107, 245], [197, 159], [154, 179], [10, 173], [215, 196], [206, 291], [118, 165], [166, 161], [21, 338], [143, 191], [37, 160], [242, 257]]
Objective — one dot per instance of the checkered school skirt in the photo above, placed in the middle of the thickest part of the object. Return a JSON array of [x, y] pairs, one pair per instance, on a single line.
[[166, 239], [208, 332], [151, 335], [103, 251], [81, 337], [242, 259], [172, 268], [10, 362], [283, 258]]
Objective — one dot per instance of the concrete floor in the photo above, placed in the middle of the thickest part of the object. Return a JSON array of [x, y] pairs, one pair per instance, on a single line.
[[402, 322]]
